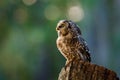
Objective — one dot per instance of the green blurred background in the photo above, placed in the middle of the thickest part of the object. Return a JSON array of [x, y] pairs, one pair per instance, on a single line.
[[28, 37]]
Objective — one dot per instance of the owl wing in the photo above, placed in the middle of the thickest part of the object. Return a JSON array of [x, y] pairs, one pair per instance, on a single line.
[[83, 49]]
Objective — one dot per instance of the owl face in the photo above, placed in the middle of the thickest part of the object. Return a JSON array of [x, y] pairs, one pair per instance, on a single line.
[[63, 27]]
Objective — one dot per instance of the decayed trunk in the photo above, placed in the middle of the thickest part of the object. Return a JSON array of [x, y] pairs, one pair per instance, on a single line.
[[79, 70]]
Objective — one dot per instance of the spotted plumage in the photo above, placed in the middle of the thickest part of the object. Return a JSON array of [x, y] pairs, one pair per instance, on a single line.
[[70, 42]]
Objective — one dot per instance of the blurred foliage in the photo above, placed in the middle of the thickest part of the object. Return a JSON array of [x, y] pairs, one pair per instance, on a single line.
[[28, 37]]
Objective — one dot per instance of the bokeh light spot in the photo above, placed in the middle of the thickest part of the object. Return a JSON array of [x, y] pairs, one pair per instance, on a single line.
[[52, 12], [29, 2], [75, 13]]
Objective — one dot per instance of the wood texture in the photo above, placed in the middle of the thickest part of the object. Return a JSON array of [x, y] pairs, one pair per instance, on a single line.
[[79, 70]]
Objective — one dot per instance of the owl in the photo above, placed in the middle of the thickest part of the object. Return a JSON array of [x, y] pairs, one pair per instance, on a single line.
[[70, 42]]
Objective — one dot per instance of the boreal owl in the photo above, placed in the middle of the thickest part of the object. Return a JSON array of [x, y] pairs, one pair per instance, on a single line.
[[70, 42]]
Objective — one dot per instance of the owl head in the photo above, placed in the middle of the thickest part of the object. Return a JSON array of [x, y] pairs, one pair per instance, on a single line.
[[65, 27]]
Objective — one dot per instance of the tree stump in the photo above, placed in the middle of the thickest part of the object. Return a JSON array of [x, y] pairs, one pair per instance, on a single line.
[[80, 70]]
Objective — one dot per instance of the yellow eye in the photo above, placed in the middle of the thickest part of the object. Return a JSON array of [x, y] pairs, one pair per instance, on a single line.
[[60, 26]]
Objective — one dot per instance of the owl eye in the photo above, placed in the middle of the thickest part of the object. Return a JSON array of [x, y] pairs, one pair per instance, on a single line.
[[60, 26]]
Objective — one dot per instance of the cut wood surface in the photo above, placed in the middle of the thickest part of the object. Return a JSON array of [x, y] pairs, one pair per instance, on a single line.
[[80, 70]]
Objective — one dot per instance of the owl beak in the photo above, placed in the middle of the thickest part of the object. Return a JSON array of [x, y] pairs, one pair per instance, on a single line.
[[57, 28]]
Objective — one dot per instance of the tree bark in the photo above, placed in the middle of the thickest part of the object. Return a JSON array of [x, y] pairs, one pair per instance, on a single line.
[[80, 70]]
